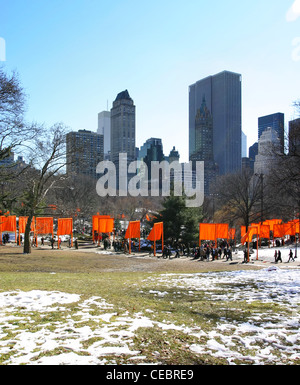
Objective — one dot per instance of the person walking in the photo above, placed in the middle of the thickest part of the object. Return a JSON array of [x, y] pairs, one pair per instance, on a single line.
[[228, 254], [276, 256], [279, 256], [291, 256]]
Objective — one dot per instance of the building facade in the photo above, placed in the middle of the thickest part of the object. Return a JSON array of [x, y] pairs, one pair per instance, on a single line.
[[222, 94], [204, 145], [104, 129], [84, 151], [267, 144], [123, 130], [275, 122], [294, 137]]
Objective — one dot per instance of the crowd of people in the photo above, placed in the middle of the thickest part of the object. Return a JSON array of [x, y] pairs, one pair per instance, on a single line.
[[205, 252]]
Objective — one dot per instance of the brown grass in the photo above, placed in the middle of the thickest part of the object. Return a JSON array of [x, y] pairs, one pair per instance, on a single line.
[[89, 259]]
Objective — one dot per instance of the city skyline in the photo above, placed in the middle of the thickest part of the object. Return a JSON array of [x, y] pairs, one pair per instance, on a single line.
[[72, 61]]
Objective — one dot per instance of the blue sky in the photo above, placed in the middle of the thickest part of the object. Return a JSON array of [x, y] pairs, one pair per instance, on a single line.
[[74, 56]]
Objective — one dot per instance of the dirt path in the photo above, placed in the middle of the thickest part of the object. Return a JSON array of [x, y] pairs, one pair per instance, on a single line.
[[89, 259]]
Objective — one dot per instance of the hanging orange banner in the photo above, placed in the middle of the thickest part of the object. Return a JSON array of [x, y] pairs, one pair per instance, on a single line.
[[222, 230], [207, 232], [44, 226], [278, 231], [96, 224], [23, 223], [272, 223], [249, 235], [65, 226], [109, 225], [8, 224], [264, 231], [231, 234], [133, 230], [156, 232], [213, 231]]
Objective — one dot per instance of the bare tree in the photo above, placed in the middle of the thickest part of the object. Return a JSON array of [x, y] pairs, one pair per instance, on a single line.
[[285, 173], [14, 133], [47, 155], [237, 197], [13, 129]]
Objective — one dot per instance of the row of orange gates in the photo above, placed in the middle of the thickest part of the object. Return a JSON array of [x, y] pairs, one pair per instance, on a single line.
[[105, 224], [39, 226]]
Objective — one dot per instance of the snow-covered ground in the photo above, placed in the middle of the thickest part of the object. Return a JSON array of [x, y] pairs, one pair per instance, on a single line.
[[266, 254], [262, 338]]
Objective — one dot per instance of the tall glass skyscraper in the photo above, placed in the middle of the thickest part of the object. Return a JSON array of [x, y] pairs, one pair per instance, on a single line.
[[223, 96], [274, 121]]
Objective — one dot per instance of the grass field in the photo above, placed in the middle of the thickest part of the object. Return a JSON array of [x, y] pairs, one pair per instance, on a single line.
[[136, 309]]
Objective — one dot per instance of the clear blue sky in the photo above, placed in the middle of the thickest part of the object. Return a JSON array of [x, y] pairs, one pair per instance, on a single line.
[[75, 55]]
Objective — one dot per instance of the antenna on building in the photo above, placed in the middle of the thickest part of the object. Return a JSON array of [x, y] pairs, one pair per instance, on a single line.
[[107, 105]]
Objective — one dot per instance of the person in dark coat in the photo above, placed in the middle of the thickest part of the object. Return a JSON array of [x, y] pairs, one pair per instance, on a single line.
[[291, 256]]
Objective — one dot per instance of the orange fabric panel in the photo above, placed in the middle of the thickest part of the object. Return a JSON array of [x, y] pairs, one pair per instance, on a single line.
[[23, 223], [96, 222], [156, 232], [133, 230], [278, 231], [207, 231], [231, 233], [44, 226], [222, 231], [248, 237], [65, 226], [272, 223], [289, 228], [243, 231], [101, 225], [109, 228], [8, 223], [264, 231], [105, 225], [256, 225]]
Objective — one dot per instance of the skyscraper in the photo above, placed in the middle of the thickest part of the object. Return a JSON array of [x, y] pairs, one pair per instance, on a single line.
[[267, 143], [274, 121], [84, 152], [294, 137], [244, 145], [104, 129], [122, 134], [204, 149], [152, 150], [123, 127], [222, 95]]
